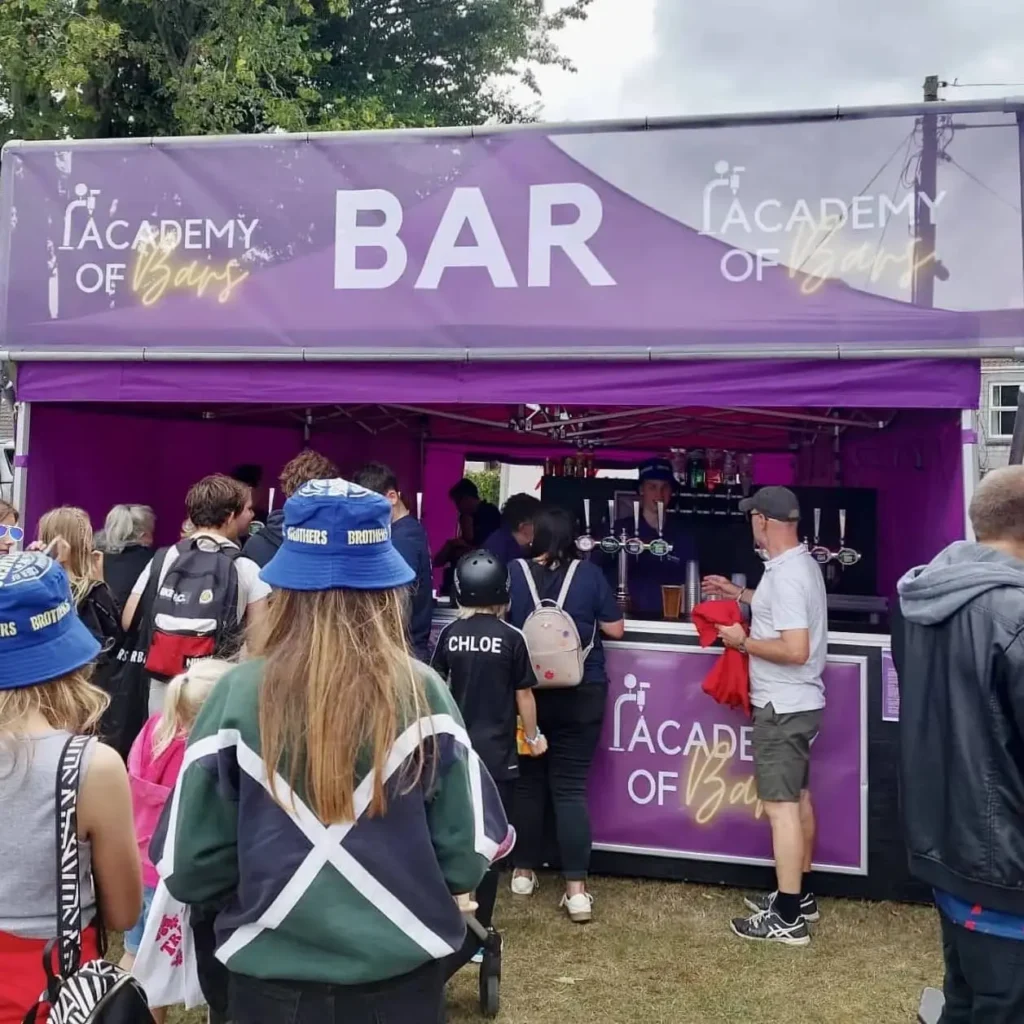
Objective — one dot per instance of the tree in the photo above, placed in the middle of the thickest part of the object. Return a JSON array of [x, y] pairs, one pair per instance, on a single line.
[[158, 67]]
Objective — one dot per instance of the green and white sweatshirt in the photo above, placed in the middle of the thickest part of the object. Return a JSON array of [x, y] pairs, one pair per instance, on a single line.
[[346, 904]]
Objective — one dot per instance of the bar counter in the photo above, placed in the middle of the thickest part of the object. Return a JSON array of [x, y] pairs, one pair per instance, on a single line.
[[672, 792]]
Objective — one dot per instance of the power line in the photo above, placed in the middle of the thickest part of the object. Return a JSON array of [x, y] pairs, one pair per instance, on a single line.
[[981, 184]]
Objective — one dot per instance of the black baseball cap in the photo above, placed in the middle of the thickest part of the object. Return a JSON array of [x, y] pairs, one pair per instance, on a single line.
[[778, 503], [656, 469]]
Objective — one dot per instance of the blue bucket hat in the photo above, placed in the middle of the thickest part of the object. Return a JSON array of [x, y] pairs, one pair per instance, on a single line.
[[41, 635], [337, 535]]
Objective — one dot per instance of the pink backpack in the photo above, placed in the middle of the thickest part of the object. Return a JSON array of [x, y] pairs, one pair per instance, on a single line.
[[556, 651]]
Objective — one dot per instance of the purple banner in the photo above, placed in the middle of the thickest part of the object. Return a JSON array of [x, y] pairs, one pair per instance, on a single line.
[[674, 773], [794, 237]]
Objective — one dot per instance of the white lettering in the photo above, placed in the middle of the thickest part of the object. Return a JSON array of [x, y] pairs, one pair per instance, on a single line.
[[170, 234], [95, 285], [725, 740], [350, 237], [641, 734], [8, 629], [50, 618], [302, 536], [475, 645], [115, 273], [736, 215], [932, 204], [467, 206], [665, 785], [862, 207], [746, 265], [887, 209], [670, 751], [145, 237], [696, 739], [652, 789], [227, 231], [769, 229], [90, 234], [571, 238], [835, 220], [111, 244], [746, 739], [247, 230], [801, 215], [362, 536], [193, 233]]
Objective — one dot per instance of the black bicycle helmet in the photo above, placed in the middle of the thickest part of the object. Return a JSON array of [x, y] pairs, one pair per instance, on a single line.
[[481, 581]]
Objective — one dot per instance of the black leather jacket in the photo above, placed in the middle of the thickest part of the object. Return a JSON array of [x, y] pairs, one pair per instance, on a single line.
[[959, 654]]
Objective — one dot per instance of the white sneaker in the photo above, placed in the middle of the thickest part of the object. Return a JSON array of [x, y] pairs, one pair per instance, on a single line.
[[524, 885], [580, 907]]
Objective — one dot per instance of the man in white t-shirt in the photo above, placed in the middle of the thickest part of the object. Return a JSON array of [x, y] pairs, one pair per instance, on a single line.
[[220, 508], [788, 646]]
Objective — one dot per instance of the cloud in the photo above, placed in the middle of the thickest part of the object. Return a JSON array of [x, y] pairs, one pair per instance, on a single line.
[[679, 57]]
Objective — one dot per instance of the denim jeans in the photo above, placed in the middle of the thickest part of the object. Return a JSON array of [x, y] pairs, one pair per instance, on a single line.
[[984, 977], [571, 720], [416, 998]]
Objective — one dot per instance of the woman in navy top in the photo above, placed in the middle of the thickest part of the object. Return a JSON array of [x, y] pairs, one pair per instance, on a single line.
[[570, 718]]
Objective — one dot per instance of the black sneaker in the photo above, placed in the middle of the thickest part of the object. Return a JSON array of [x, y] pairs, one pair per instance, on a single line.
[[808, 905], [767, 926]]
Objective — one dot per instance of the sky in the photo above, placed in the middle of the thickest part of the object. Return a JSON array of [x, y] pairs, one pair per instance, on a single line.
[[667, 57]]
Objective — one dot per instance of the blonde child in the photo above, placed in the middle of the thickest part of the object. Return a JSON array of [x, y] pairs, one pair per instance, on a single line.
[[153, 768]]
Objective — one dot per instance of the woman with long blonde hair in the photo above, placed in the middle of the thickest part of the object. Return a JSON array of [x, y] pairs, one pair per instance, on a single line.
[[69, 530], [327, 796], [45, 698]]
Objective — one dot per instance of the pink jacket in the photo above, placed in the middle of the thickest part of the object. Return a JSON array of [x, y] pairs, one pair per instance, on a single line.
[[152, 782]]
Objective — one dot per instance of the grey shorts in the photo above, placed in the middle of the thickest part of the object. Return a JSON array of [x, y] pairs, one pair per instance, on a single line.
[[782, 753]]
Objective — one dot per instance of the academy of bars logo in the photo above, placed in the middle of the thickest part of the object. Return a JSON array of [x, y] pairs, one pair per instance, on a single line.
[[822, 238], [712, 771], [150, 257]]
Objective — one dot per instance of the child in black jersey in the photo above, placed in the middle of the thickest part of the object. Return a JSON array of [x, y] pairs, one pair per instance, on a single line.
[[487, 666]]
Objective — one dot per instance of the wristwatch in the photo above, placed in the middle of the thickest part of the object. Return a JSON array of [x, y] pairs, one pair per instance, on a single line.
[[536, 739]]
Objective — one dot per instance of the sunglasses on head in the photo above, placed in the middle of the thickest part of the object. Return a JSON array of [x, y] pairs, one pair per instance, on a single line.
[[16, 533]]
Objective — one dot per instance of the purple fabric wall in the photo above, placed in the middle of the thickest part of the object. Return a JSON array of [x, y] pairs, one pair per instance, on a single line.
[[97, 459]]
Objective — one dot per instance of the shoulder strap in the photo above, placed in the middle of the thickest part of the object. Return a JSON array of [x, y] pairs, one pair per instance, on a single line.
[[69, 896], [570, 572], [530, 582], [145, 605]]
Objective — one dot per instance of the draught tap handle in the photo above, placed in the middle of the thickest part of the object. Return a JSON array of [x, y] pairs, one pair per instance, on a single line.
[[586, 515], [817, 525], [842, 527], [661, 518], [611, 517], [419, 505], [636, 518]]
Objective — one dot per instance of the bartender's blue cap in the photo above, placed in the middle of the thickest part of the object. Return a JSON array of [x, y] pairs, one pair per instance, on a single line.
[[657, 469]]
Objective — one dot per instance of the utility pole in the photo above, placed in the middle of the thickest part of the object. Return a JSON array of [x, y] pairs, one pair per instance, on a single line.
[[926, 186]]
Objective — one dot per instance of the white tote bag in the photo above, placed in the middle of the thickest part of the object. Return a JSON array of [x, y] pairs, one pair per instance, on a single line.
[[166, 964]]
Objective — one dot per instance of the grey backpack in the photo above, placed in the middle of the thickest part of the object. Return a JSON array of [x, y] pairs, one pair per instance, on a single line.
[[556, 651]]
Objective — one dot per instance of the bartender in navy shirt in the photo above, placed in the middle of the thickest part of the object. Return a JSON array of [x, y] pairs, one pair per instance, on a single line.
[[515, 535], [647, 574]]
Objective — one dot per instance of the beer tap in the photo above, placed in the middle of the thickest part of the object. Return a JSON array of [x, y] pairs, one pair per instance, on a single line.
[[821, 554], [612, 545], [634, 545], [419, 506], [659, 547], [585, 543], [845, 556]]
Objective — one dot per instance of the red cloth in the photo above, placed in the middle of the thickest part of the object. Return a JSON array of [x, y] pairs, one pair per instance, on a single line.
[[729, 681], [22, 977]]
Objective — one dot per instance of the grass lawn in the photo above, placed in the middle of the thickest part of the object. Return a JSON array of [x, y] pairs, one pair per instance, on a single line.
[[663, 954]]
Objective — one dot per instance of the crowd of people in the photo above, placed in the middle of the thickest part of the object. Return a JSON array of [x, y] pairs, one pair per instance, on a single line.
[[277, 742]]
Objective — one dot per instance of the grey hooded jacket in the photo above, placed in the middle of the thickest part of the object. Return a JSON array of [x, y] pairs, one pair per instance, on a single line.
[[958, 645]]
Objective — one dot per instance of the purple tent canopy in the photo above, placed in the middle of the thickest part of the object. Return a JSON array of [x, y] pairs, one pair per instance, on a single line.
[[749, 239]]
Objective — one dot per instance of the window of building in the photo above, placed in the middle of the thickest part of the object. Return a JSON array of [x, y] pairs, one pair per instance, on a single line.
[[1002, 409]]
